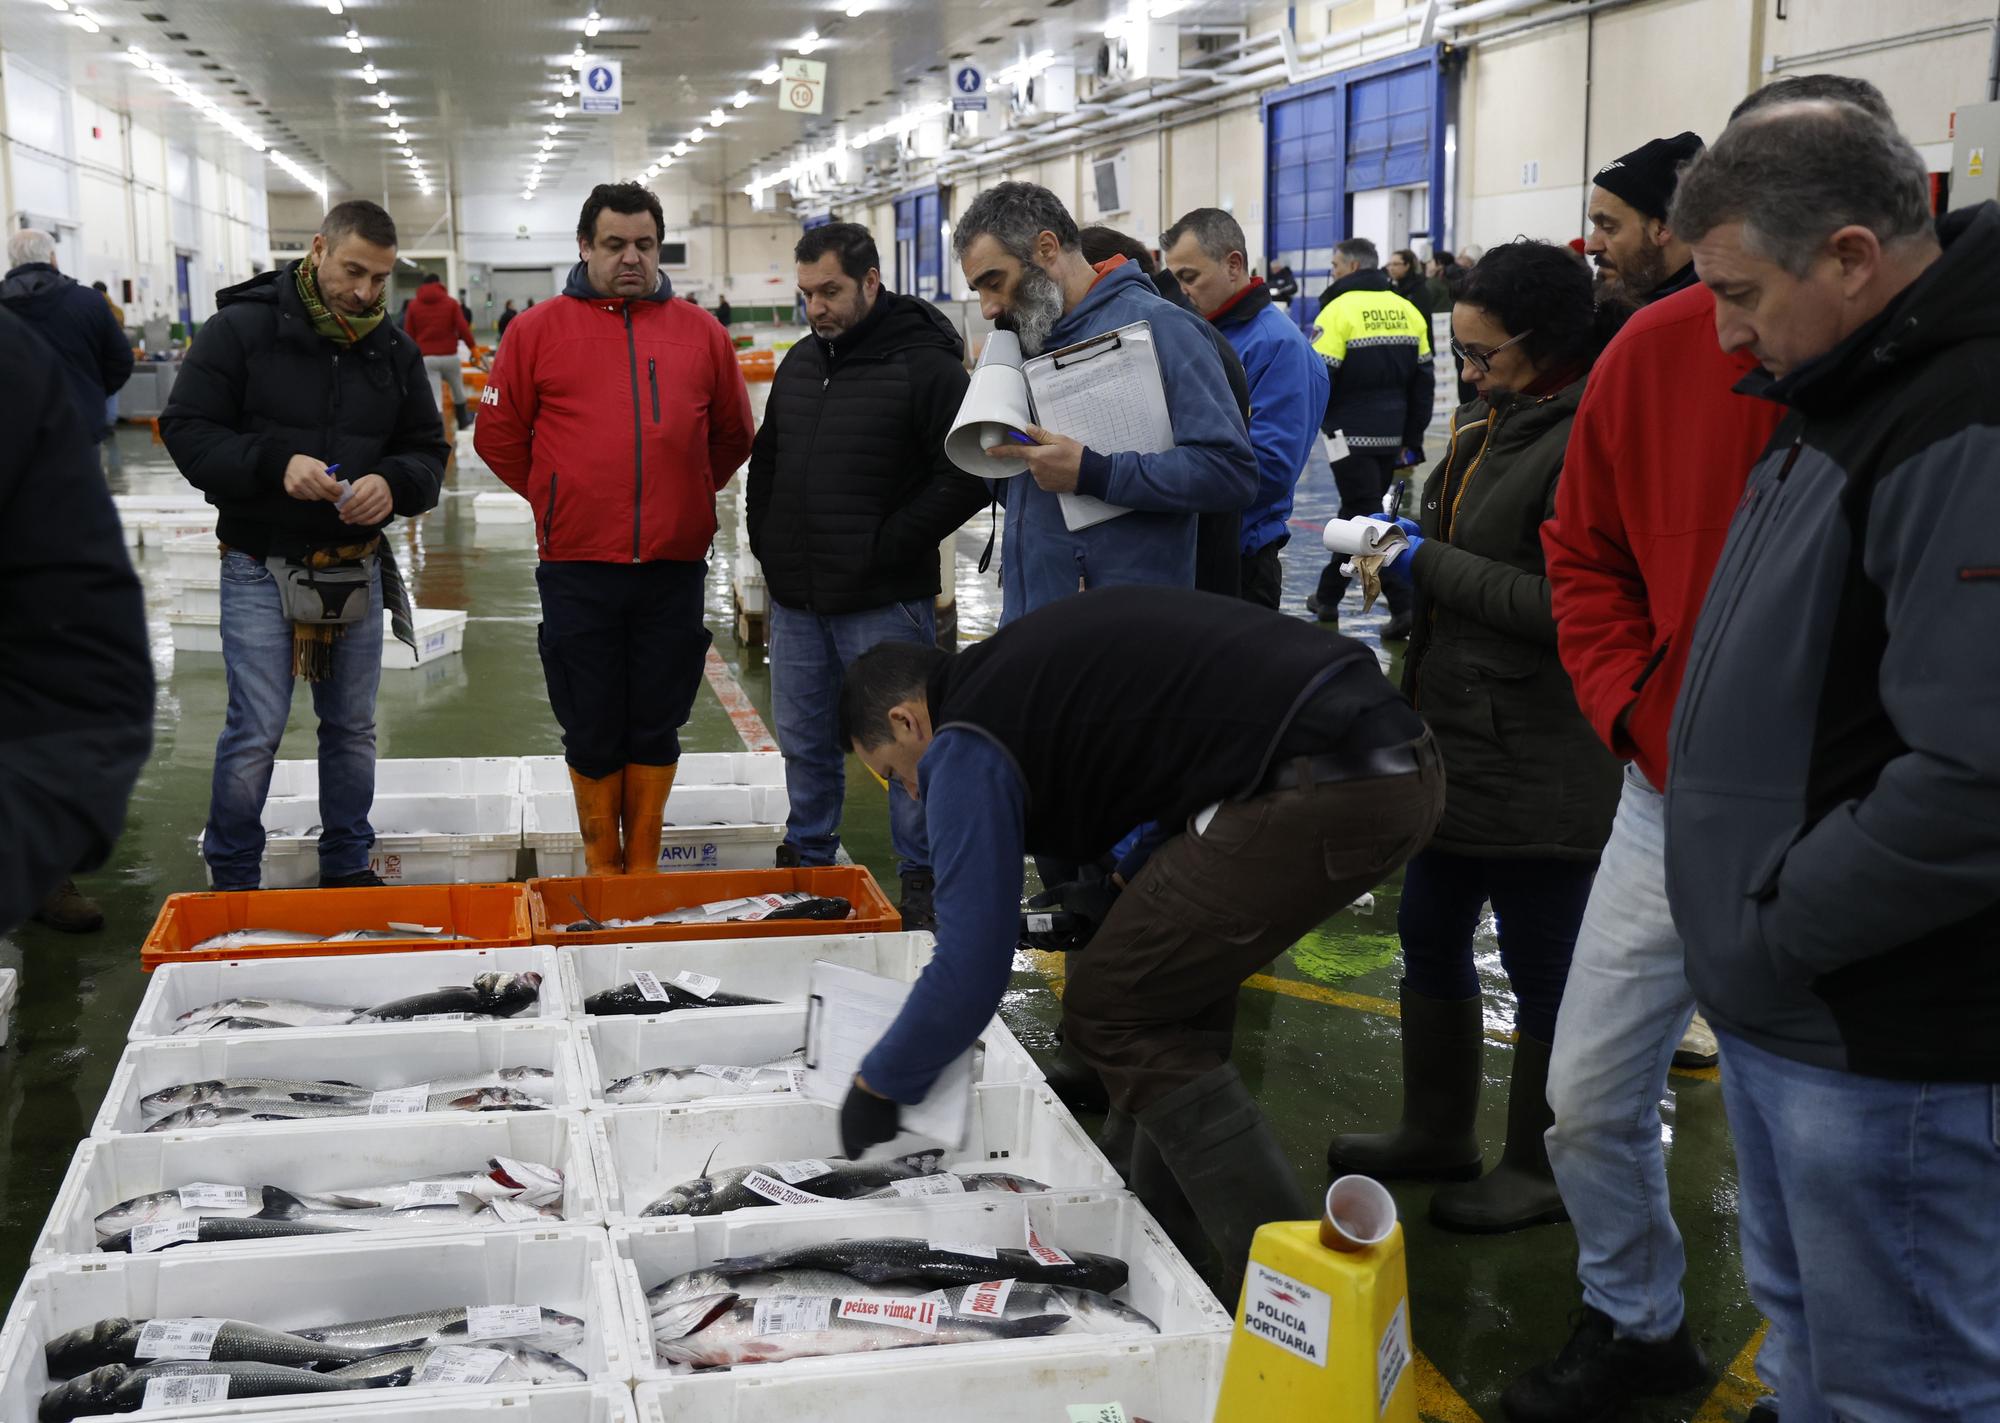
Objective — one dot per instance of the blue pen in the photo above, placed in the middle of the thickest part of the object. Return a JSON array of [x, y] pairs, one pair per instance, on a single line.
[[1018, 438]]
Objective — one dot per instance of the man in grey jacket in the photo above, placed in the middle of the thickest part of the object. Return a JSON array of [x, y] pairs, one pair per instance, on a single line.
[[1833, 802]]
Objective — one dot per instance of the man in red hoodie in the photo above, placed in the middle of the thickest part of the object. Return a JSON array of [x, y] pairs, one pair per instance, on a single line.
[[618, 413], [437, 324], [1656, 464]]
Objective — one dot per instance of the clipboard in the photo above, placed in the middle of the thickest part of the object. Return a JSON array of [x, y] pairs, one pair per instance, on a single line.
[[1106, 393]]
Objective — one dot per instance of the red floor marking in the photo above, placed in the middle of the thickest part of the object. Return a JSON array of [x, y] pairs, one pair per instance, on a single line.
[[750, 726]]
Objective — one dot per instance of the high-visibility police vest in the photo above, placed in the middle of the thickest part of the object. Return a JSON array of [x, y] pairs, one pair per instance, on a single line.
[[1372, 341]]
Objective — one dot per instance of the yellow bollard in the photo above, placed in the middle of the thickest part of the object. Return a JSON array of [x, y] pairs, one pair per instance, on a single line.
[[1323, 1327]]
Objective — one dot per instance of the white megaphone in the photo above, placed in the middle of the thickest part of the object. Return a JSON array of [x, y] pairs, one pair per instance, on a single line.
[[994, 411]]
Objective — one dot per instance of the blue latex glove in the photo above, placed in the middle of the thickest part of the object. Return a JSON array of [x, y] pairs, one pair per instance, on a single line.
[[1406, 564]]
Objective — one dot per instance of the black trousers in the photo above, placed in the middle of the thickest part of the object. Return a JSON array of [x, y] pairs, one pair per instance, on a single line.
[[1363, 478], [623, 647], [1263, 575]]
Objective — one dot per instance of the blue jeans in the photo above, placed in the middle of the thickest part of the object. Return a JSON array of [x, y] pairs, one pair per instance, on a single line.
[[257, 659], [1538, 904], [1871, 1229], [1624, 1009], [809, 653]]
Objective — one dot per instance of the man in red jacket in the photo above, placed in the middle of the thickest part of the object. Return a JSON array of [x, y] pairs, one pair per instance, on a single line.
[[437, 324], [1655, 466], [618, 413]]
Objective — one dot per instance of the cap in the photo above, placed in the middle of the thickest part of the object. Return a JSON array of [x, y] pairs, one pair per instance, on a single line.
[[1646, 176]]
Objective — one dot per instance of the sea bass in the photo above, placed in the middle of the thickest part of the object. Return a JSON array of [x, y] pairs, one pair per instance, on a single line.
[[287, 1012], [204, 1199], [788, 904], [116, 1341], [498, 995], [120, 1388], [1089, 1312], [515, 1365], [554, 1332], [691, 1084], [234, 1109], [910, 1260], [233, 1091], [968, 1181], [224, 1230], [722, 1330], [274, 938], [769, 1183], [629, 999]]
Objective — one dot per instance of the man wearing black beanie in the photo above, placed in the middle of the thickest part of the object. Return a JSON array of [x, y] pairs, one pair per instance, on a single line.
[[1637, 255]]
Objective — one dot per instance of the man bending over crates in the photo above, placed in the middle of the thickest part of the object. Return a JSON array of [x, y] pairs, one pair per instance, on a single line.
[[618, 413], [1284, 776], [309, 422]]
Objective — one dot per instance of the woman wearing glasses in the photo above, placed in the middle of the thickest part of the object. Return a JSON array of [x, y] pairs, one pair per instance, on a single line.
[[1530, 790]]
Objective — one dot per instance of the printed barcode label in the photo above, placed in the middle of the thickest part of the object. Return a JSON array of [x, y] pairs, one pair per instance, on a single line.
[[1045, 1254], [942, 1184], [798, 1078], [734, 1076], [701, 985], [797, 1171], [159, 1234], [179, 1390], [1041, 923], [453, 1364], [177, 1339], [920, 1315], [987, 1301], [400, 1101], [420, 1194], [1098, 1413], [199, 1194], [960, 1247], [792, 1314], [649, 987], [446, 1017], [781, 1192], [502, 1321]]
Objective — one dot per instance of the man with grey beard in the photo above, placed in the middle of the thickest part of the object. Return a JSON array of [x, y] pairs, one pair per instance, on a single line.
[[1020, 252]]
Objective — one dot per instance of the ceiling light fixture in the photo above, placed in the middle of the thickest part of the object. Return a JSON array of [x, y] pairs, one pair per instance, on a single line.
[[560, 109], [680, 150], [552, 129], [368, 72], [527, 195], [856, 9], [591, 24], [716, 118], [577, 58], [84, 21], [742, 99], [770, 74], [354, 45], [334, 7], [381, 99], [808, 42], [698, 135], [57, 5]]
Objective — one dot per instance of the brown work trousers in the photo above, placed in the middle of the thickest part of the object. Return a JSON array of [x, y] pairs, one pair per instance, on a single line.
[[1150, 1002]]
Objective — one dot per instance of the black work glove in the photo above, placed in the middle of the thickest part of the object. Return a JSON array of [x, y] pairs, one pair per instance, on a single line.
[[866, 1120], [1063, 919]]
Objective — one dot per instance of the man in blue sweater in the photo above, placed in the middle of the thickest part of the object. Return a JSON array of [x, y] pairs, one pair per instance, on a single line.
[[1206, 251], [1290, 777], [1021, 254]]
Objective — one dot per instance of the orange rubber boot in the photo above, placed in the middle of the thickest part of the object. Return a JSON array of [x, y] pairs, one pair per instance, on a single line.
[[646, 790], [598, 803]]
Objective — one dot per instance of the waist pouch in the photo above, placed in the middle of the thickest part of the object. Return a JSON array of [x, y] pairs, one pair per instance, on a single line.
[[333, 595]]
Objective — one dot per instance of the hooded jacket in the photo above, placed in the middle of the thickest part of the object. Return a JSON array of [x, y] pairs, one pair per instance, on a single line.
[[1524, 773], [77, 321], [260, 385], [849, 492], [1377, 349], [1833, 811], [1211, 465], [618, 420], [436, 322], [1288, 389]]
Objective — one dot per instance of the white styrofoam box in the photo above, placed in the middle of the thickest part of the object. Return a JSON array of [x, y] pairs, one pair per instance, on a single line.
[[611, 1048], [323, 1281], [777, 969], [644, 1152], [411, 775], [326, 1155], [361, 980], [1174, 1383], [163, 529], [194, 600], [502, 507], [559, 851], [195, 632], [194, 558], [440, 632], [753, 594], [576, 1403], [10, 983], [419, 839], [377, 1058], [541, 774], [1163, 1286]]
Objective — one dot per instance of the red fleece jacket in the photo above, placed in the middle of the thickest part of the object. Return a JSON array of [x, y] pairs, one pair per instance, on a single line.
[[436, 321], [1654, 469]]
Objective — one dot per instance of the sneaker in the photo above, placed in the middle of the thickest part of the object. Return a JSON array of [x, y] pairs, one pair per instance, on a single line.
[[787, 857], [1697, 1047], [1597, 1374], [67, 909], [360, 879], [1397, 629], [917, 910]]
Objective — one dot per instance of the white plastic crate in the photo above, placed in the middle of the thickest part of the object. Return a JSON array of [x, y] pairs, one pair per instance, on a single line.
[[542, 774], [373, 1057], [502, 507], [358, 979], [1194, 1328], [195, 632], [411, 775], [192, 599], [419, 839], [644, 1152], [777, 969], [1172, 1383], [440, 632], [753, 594], [549, 830], [578, 1403], [10, 985], [567, 1268], [194, 558], [611, 1048], [317, 1156]]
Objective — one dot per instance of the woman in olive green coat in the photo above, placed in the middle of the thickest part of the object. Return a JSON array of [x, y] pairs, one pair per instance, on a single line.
[[1530, 790]]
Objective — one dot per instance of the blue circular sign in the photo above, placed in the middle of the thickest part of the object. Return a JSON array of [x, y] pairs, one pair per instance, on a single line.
[[599, 79], [969, 80]]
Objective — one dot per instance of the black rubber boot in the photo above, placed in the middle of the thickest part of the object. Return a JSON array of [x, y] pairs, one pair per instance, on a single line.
[[1597, 1374], [1213, 1139], [1521, 1190], [360, 879], [787, 857], [916, 909], [67, 909], [1076, 1082], [1436, 1140]]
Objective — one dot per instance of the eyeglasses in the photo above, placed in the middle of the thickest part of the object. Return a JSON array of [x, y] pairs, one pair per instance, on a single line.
[[1482, 361]]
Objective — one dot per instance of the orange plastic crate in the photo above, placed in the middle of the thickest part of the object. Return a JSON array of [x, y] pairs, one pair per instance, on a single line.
[[490, 916], [635, 896]]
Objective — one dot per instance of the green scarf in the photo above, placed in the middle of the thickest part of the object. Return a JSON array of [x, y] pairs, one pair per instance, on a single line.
[[339, 329]]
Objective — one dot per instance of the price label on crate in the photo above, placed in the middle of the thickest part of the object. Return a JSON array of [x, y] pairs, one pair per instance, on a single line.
[[942, 1184], [797, 1171], [917, 1315], [159, 1234], [987, 1301], [734, 1076], [207, 1195], [1098, 1413], [792, 1314], [701, 985], [649, 987], [961, 1247], [502, 1321], [798, 1078], [177, 1339], [1044, 1253], [180, 1390], [423, 1195], [453, 1364], [400, 1101]]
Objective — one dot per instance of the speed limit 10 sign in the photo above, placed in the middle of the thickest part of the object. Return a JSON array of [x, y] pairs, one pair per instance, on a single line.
[[802, 87]]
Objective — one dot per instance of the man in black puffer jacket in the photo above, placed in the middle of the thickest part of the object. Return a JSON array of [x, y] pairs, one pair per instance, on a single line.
[[849, 495]]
